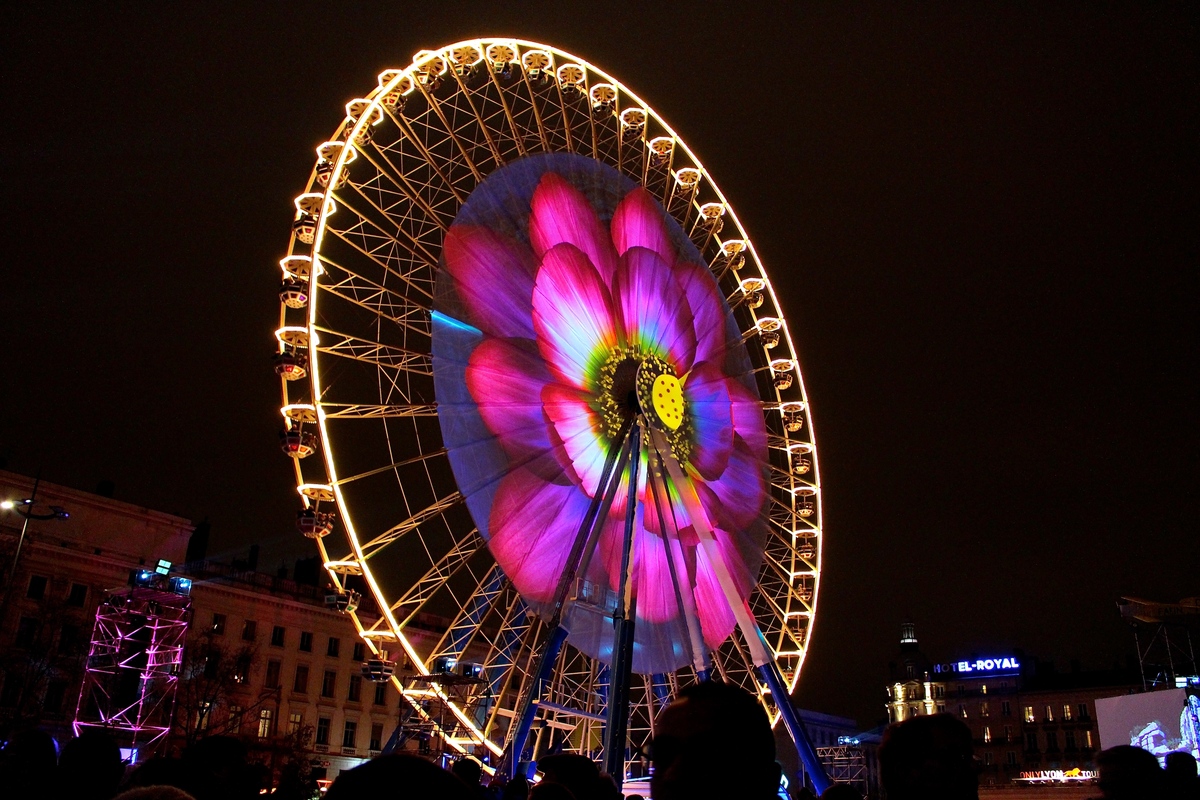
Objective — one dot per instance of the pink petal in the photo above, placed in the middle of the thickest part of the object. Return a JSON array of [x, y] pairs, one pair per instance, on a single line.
[[748, 418], [707, 394], [638, 222], [533, 525], [651, 309], [579, 431], [572, 315], [736, 499], [506, 382], [708, 310], [716, 617], [560, 213], [652, 580], [494, 277]]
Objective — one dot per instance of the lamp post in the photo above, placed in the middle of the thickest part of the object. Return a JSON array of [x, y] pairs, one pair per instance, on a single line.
[[26, 509]]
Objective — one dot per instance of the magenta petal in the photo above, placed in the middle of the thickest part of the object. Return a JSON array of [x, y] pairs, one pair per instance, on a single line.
[[560, 213], [707, 394], [652, 580], [506, 382], [708, 310], [533, 525], [572, 315], [736, 499], [716, 617], [638, 222], [578, 429], [748, 419], [494, 277], [651, 310]]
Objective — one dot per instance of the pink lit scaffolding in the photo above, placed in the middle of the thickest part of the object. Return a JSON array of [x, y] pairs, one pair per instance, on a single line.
[[133, 666]]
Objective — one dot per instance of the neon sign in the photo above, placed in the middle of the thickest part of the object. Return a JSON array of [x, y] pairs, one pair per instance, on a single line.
[[994, 665], [1076, 775]]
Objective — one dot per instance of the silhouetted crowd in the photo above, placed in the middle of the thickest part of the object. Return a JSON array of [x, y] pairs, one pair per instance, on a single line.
[[924, 758]]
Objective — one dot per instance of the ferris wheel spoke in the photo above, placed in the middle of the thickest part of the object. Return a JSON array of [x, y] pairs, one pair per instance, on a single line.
[[383, 411], [417, 459], [414, 245], [390, 356], [539, 123], [438, 575], [448, 131], [378, 158], [411, 524], [379, 247], [487, 126], [382, 301], [421, 159], [461, 632]]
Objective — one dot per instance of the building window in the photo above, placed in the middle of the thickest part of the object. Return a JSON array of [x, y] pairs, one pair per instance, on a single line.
[[264, 723], [1049, 714], [1031, 741], [1051, 741], [1005, 708], [277, 636], [300, 685], [1070, 739], [37, 587], [1087, 739], [1011, 758], [983, 688], [1066, 712], [328, 683], [1008, 733], [939, 692], [987, 734], [249, 630], [355, 688], [1083, 711], [987, 758], [241, 668], [68, 639], [218, 625], [27, 631], [295, 723], [202, 715], [334, 645], [322, 730], [983, 709], [360, 652], [273, 668], [962, 711], [941, 707], [77, 597], [306, 642], [235, 720], [350, 735], [381, 694], [1029, 714], [376, 743]]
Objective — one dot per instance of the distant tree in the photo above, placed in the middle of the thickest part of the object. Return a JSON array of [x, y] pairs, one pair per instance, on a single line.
[[47, 653], [213, 677]]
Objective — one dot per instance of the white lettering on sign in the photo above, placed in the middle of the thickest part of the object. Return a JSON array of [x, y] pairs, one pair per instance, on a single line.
[[993, 664]]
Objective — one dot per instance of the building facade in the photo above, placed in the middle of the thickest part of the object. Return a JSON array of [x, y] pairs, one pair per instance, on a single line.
[[1027, 720]]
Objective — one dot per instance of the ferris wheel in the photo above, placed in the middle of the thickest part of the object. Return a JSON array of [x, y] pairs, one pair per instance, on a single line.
[[536, 380]]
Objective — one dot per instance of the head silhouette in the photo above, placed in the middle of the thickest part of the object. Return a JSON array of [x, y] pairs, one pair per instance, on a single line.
[[713, 741], [929, 758]]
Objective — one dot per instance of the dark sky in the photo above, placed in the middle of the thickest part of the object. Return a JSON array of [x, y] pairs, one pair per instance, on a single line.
[[982, 221]]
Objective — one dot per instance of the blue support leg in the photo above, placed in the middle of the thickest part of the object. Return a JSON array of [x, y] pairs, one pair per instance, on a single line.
[[769, 672]]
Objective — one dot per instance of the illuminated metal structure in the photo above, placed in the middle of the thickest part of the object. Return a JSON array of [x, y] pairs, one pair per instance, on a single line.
[[134, 660], [368, 291]]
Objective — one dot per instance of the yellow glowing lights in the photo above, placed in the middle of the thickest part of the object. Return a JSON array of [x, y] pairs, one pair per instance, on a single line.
[[668, 400], [293, 336], [299, 412]]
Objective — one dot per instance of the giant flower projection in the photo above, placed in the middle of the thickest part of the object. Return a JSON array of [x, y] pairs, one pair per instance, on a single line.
[[563, 285]]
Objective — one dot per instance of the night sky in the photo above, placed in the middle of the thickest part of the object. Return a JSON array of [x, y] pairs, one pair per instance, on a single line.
[[982, 221]]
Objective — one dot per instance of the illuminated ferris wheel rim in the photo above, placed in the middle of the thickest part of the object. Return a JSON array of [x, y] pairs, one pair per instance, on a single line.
[[368, 112]]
